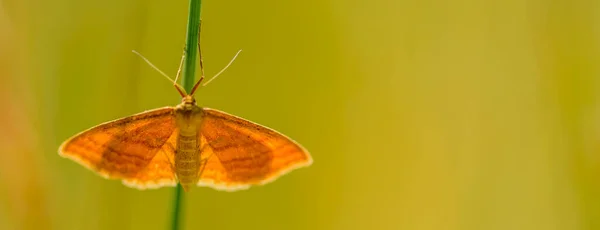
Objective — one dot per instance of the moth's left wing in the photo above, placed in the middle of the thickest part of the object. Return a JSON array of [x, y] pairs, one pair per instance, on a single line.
[[128, 149]]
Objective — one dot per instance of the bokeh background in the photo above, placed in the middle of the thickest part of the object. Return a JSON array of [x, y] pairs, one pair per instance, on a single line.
[[465, 114]]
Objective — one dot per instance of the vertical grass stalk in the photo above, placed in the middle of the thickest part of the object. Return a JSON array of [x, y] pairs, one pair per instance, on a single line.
[[189, 70]]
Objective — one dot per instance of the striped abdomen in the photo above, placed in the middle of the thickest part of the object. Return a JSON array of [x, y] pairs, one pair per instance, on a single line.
[[187, 159]]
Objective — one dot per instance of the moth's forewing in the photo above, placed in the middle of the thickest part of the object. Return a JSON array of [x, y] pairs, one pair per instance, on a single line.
[[245, 153], [127, 148]]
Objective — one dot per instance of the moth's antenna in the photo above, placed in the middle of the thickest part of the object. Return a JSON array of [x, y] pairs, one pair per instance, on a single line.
[[202, 66], [178, 87], [220, 72]]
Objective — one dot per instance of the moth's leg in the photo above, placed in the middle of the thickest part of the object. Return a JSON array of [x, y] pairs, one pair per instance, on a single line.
[[201, 64], [180, 65], [200, 51], [202, 162], [169, 159], [202, 165], [219, 139]]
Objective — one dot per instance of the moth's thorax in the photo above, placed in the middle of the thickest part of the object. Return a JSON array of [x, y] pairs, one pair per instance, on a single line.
[[188, 115]]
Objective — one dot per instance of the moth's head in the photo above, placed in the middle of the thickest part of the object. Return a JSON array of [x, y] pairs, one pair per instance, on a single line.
[[188, 102]]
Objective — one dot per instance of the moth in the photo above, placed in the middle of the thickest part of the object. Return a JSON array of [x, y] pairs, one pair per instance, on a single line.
[[186, 144]]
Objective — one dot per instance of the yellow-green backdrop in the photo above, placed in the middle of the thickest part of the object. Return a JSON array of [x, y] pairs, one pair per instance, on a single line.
[[418, 114]]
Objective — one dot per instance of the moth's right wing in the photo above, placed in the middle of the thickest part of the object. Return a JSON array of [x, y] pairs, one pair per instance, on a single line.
[[242, 153]]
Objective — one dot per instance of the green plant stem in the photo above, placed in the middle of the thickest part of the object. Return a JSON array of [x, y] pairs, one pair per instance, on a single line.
[[177, 207], [191, 42], [189, 70]]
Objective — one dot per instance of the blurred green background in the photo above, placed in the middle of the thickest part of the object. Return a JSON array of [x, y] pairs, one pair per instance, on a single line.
[[418, 114]]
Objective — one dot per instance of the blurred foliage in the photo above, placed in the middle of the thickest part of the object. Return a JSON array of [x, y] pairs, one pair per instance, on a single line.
[[418, 114]]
